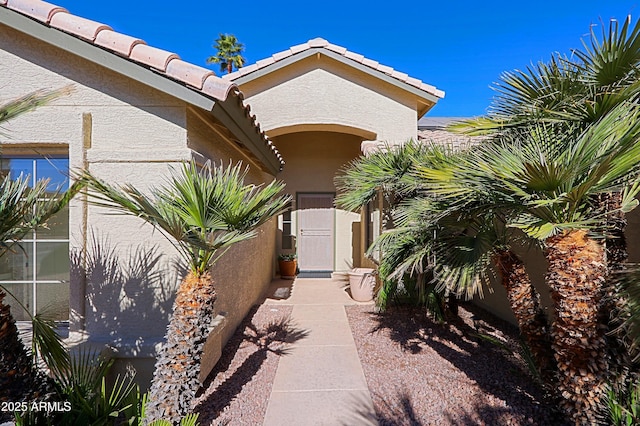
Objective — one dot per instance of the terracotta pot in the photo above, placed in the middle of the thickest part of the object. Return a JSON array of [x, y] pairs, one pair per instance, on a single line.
[[287, 268], [362, 282]]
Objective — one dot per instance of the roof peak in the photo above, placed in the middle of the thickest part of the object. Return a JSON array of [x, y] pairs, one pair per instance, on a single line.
[[318, 42]]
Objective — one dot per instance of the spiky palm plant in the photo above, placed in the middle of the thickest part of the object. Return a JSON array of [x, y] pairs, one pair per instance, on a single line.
[[460, 230], [389, 173], [552, 184], [202, 212], [23, 208], [569, 93]]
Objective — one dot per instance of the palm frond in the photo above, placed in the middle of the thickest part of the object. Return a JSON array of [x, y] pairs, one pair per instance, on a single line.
[[47, 343], [29, 102], [568, 93]]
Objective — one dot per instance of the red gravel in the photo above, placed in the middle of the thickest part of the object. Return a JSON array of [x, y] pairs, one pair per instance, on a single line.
[[238, 390], [423, 373]]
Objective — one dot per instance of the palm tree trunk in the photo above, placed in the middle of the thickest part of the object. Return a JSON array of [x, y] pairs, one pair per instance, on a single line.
[[175, 379], [576, 277], [526, 307]]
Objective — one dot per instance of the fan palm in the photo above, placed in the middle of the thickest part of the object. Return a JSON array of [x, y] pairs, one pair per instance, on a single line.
[[461, 227], [229, 53], [388, 173], [202, 212], [29, 102], [552, 184], [569, 95]]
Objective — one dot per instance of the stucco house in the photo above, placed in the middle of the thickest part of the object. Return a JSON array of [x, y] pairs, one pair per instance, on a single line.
[[323, 106], [135, 112]]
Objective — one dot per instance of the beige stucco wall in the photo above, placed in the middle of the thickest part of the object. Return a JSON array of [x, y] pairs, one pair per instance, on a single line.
[[313, 159], [136, 134], [320, 90]]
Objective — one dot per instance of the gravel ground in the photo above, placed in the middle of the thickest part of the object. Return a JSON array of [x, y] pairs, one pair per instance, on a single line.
[[418, 372], [238, 390], [423, 373]]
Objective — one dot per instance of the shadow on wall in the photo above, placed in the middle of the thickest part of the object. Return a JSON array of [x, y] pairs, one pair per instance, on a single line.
[[129, 294]]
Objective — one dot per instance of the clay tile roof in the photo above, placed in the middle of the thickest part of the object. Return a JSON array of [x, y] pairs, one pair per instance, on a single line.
[[434, 130], [166, 63], [76, 25], [217, 88], [299, 48], [191, 74], [354, 56], [338, 49], [39, 10], [320, 43], [400, 75], [117, 42], [152, 56]]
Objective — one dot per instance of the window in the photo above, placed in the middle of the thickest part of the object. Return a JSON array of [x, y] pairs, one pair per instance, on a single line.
[[372, 231], [36, 270], [287, 237]]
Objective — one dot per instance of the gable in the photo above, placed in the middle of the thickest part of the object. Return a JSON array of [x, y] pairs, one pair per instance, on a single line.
[[319, 91], [426, 95]]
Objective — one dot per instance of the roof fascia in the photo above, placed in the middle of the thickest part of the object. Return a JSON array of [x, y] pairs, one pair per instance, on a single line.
[[228, 113], [337, 57], [103, 57]]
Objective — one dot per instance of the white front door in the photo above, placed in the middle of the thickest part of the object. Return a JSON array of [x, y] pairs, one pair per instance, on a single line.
[[315, 232]]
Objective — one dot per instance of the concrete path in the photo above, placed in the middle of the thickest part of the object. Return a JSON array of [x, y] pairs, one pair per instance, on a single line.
[[320, 381]]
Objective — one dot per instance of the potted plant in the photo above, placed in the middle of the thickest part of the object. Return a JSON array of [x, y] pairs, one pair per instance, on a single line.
[[288, 265]]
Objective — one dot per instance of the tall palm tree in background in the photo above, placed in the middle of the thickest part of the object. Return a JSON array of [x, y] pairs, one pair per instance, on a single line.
[[24, 207], [229, 53], [203, 213]]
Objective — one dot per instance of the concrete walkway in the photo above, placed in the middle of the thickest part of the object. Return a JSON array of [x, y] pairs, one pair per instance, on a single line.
[[320, 381]]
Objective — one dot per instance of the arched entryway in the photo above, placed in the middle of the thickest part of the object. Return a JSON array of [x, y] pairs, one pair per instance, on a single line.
[[326, 239]]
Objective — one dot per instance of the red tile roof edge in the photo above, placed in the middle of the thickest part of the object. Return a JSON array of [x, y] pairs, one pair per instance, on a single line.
[[322, 43], [168, 64]]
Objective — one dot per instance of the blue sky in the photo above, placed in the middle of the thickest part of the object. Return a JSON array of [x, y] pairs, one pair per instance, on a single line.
[[461, 47]]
